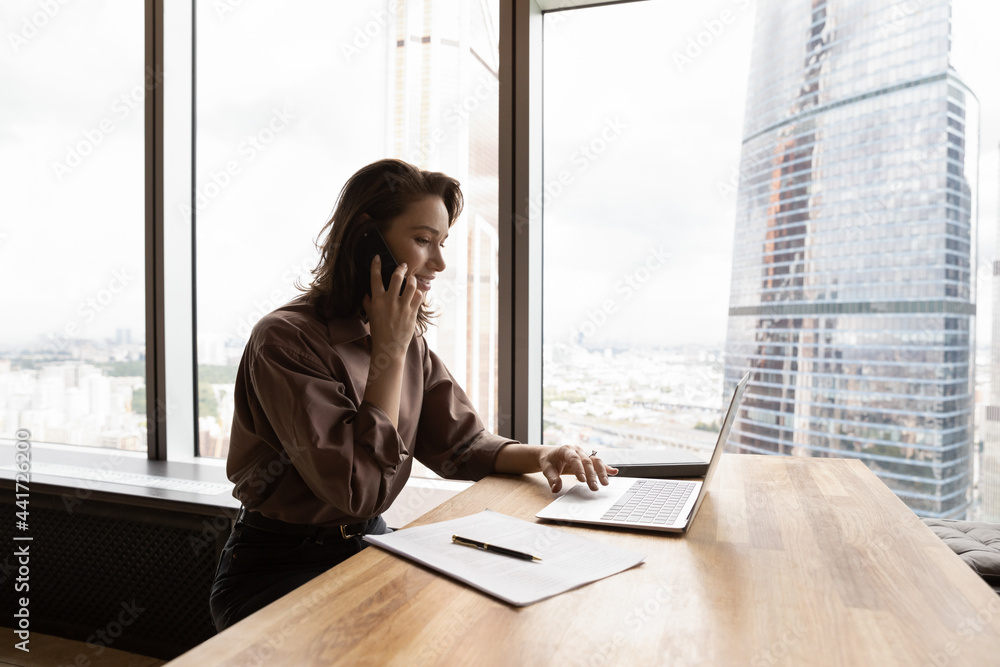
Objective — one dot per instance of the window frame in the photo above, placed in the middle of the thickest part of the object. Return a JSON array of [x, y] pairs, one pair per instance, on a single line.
[[171, 354]]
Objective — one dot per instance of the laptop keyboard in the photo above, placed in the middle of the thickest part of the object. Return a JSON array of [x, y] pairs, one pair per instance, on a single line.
[[656, 501]]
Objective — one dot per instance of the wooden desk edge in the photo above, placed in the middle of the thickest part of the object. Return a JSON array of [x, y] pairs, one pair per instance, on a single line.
[[499, 490]]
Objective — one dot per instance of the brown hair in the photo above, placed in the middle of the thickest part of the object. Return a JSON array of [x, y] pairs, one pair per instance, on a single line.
[[382, 190]]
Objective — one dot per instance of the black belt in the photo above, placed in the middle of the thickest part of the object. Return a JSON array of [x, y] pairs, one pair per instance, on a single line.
[[261, 522]]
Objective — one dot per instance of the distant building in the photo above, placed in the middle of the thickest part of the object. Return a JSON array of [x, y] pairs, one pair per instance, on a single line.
[[852, 288], [444, 83], [212, 349], [213, 441], [989, 471]]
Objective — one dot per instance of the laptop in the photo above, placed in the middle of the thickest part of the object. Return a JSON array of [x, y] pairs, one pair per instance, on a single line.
[[655, 463], [667, 505]]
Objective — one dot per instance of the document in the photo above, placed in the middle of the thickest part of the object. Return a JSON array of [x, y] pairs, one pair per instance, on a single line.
[[568, 560]]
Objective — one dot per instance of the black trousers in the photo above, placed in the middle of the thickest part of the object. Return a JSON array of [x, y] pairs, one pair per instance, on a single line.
[[257, 567]]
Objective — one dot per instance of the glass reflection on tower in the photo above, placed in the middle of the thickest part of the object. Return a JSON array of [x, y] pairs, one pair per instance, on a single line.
[[852, 297], [444, 98]]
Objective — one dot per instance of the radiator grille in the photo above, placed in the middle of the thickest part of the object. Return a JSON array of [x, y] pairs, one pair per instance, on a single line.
[[93, 569]]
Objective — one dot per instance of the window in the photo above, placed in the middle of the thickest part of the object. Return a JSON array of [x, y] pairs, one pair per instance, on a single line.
[[641, 155], [280, 129], [72, 338], [632, 245], [252, 165], [853, 182]]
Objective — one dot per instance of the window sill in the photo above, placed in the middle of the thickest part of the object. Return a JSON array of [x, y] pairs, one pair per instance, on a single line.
[[79, 473], [198, 486]]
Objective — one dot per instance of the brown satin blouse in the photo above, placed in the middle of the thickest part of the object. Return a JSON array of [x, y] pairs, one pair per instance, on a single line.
[[306, 448]]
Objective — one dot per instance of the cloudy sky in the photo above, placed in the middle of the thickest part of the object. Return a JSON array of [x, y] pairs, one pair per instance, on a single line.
[[639, 226], [657, 185]]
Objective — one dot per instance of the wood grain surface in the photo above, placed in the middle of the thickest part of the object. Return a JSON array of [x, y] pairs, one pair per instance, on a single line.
[[791, 561]]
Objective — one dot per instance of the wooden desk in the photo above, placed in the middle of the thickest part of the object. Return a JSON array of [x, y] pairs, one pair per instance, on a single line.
[[790, 561]]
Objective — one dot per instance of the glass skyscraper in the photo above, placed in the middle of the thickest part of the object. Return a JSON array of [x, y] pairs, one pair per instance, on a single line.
[[852, 298], [989, 461]]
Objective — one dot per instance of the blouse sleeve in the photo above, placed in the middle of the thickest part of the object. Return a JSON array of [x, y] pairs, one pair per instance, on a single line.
[[347, 454], [451, 439]]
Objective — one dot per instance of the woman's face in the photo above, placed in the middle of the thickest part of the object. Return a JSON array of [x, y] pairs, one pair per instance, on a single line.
[[417, 238]]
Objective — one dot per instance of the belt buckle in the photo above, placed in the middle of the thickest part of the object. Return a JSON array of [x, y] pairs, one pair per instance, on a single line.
[[345, 535]]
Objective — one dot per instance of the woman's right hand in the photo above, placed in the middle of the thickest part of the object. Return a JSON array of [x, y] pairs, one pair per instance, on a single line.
[[392, 316]]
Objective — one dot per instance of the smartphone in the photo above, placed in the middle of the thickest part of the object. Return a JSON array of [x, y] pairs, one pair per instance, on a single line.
[[372, 243]]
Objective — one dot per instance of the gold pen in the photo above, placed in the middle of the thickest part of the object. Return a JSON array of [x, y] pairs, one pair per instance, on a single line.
[[464, 541]]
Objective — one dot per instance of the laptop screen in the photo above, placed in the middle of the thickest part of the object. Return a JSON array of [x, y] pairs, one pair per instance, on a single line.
[[720, 444]]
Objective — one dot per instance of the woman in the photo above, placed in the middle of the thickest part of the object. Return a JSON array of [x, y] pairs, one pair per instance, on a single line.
[[337, 392]]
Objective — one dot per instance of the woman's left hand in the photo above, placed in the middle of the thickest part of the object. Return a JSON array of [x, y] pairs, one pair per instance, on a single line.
[[571, 460]]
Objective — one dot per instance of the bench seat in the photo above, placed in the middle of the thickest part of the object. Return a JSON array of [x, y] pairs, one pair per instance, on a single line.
[[975, 542]]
